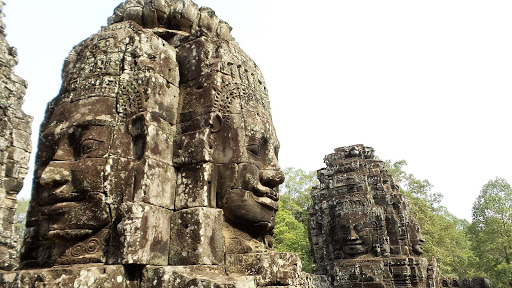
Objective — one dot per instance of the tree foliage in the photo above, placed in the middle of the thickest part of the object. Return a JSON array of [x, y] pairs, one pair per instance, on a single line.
[[445, 234], [20, 217], [292, 236], [491, 231], [291, 231]]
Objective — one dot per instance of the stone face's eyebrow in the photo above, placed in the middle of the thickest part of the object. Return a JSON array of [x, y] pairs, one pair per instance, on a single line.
[[60, 126], [96, 122]]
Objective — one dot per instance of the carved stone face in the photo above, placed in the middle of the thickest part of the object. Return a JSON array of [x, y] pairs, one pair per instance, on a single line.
[[71, 192], [250, 202], [355, 226], [78, 184], [352, 231], [416, 239]]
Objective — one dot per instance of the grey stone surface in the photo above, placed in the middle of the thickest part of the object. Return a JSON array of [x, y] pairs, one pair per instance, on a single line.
[[15, 147], [159, 151], [362, 230]]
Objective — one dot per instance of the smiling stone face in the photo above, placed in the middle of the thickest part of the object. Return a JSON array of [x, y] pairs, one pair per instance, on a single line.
[[361, 227], [358, 228], [72, 194], [226, 132], [104, 152], [252, 200]]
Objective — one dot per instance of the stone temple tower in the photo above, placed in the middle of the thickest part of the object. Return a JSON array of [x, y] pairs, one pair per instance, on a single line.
[[362, 230], [14, 146]]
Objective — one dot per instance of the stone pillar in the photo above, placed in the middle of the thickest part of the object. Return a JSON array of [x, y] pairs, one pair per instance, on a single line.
[[14, 147]]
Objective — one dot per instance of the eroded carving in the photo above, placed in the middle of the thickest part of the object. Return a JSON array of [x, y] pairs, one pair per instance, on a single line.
[[159, 151], [362, 230], [15, 147], [101, 146]]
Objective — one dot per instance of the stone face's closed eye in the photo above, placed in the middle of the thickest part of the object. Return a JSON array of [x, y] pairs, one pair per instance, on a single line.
[[89, 145], [254, 149]]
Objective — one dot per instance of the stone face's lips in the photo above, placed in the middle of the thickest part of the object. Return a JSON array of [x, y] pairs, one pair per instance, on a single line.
[[59, 208], [267, 202], [263, 191], [66, 234], [354, 247], [355, 243], [64, 194]]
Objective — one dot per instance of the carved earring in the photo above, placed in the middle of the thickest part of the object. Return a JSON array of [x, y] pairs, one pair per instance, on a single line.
[[216, 122], [139, 132]]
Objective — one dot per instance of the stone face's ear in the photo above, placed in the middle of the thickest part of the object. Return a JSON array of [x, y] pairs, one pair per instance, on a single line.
[[216, 122], [138, 131]]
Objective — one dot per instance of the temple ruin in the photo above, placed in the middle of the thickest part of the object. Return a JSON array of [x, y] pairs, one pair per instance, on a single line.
[[157, 162], [14, 147], [157, 167], [362, 230]]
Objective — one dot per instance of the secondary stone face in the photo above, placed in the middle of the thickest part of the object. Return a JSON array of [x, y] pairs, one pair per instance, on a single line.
[[362, 231], [159, 150], [14, 147]]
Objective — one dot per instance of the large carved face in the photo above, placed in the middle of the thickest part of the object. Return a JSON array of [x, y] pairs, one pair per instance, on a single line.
[[79, 151], [245, 146], [248, 190], [70, 177]]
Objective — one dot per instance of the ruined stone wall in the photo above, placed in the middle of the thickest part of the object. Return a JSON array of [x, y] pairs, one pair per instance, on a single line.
[[14, 146]]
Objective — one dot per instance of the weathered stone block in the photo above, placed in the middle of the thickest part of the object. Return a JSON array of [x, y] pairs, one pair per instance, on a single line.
[[270, 268], [196, 186], [197, 237], [119, 182], [155, 183], [160, 138], [77, 276], [142, 236], [17, 154], [192, 148], [153, 137], [21, 139], [159, 57], [201, 50], [158, 96], [209, 93], [207, 276]]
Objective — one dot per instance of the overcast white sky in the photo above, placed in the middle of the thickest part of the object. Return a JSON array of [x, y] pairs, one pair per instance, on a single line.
[[425, 81]]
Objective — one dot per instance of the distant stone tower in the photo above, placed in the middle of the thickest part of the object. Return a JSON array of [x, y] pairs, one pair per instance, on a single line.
[[14, 146], [362, 230]]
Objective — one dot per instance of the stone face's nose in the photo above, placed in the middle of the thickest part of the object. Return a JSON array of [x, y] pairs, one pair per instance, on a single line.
[[271, 178], [55, 176], [353, 235]]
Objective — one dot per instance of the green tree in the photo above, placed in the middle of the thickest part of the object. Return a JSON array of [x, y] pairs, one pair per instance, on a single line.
[[445, 234], [491, 231], [20, 217], [291, 231], [295, 192], [292, 236]]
